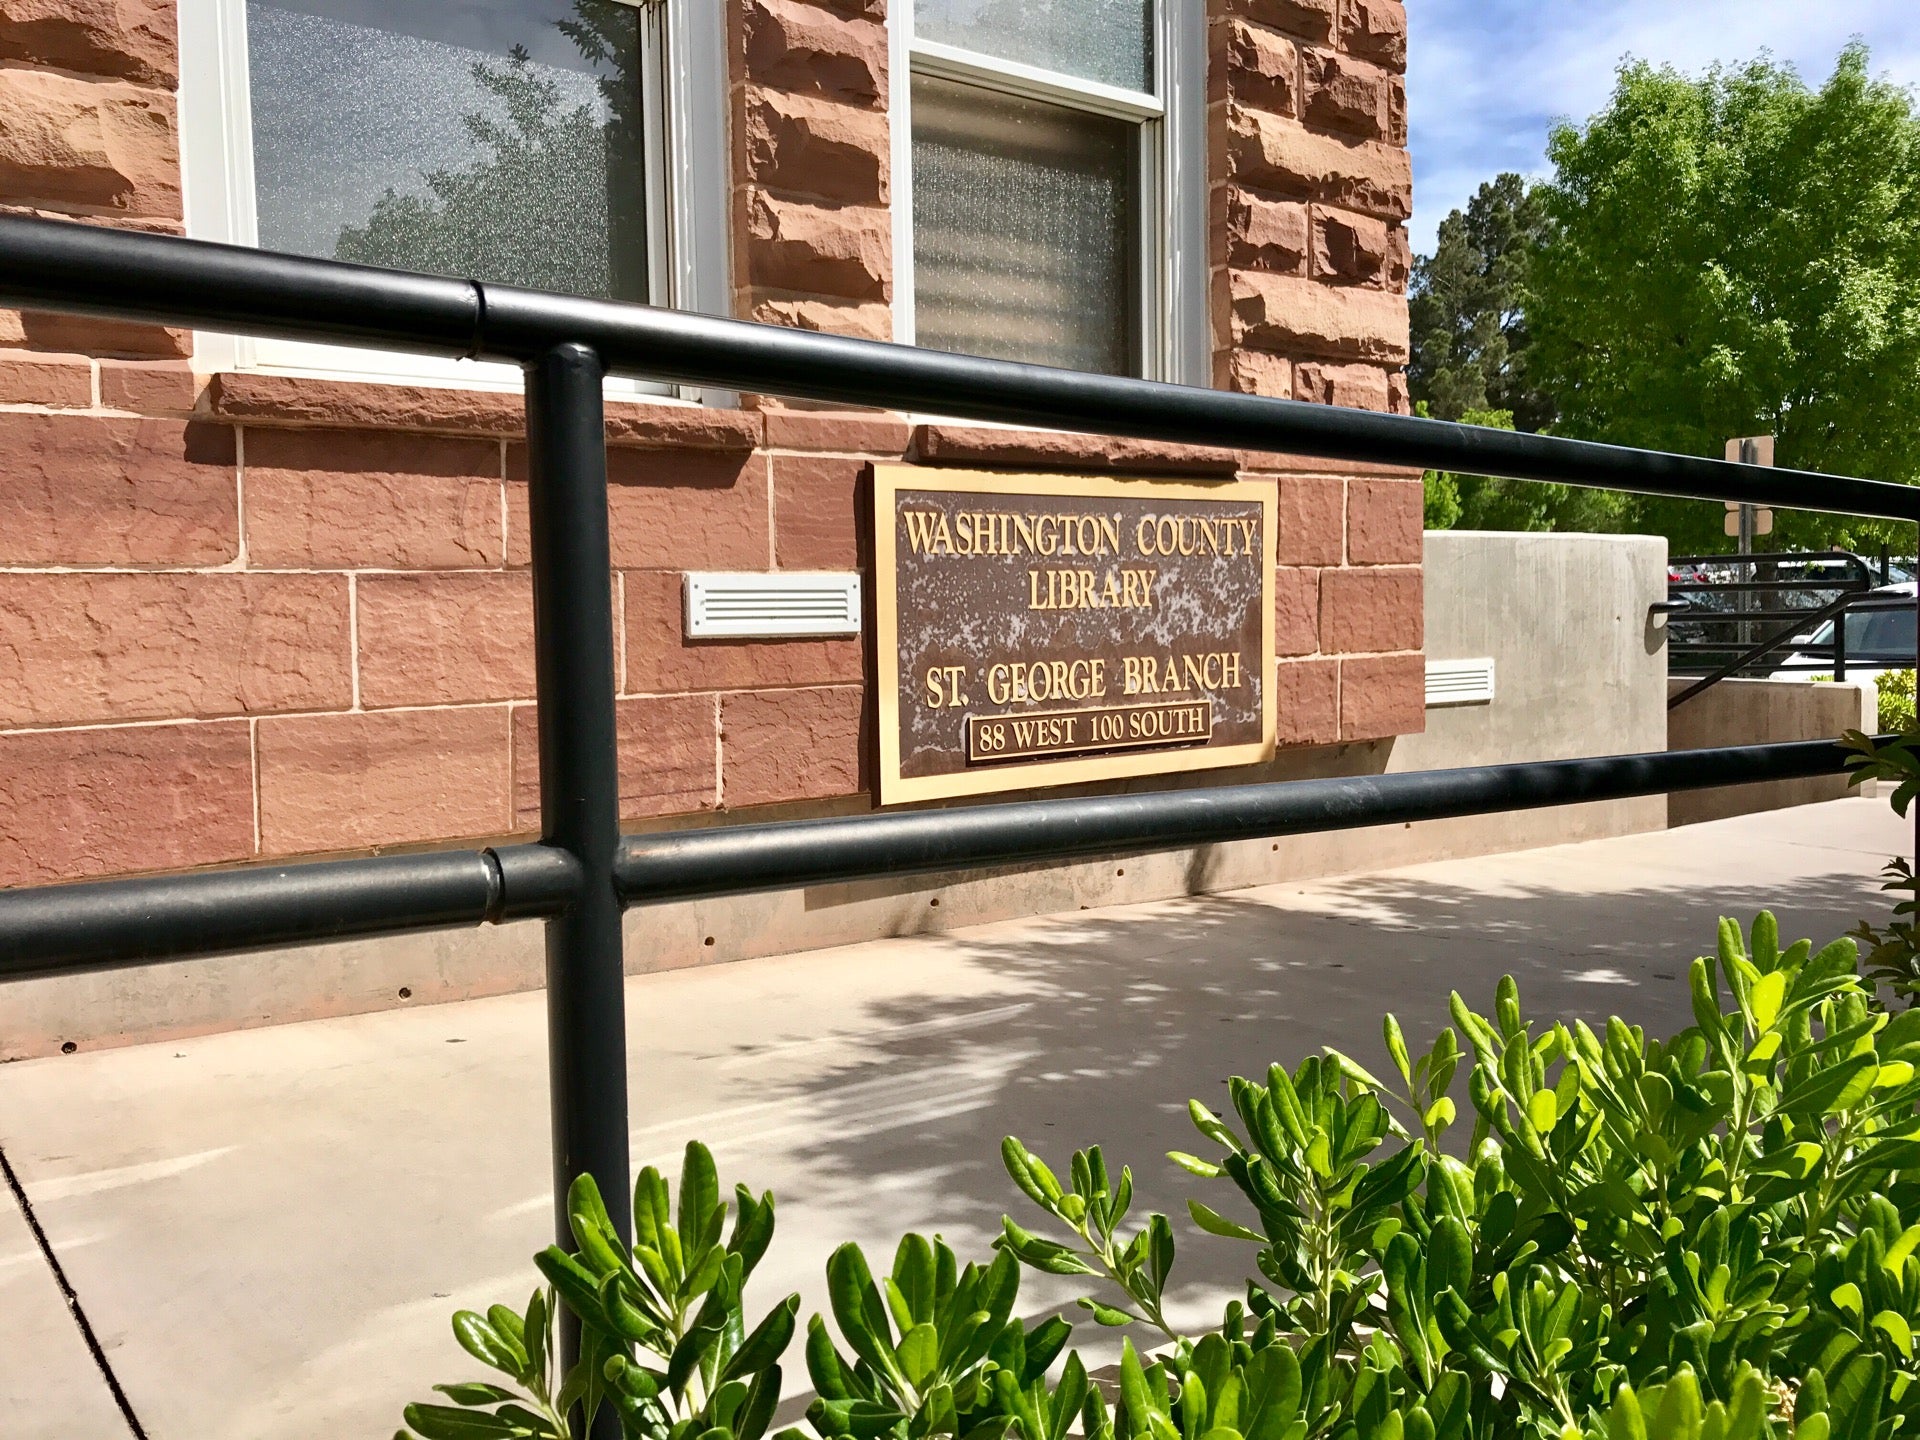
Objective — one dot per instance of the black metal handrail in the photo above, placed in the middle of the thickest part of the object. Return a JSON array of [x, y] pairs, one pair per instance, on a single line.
[[582, 873]]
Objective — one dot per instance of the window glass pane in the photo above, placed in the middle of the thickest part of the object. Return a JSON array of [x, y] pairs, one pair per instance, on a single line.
[[498, 139], [1022, 229], [1884, 633], [1106, 40]]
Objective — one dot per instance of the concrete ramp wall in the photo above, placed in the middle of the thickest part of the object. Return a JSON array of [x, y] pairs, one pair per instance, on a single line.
[[1761, 712]]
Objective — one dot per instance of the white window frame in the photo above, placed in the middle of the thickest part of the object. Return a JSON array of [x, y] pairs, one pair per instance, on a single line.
[[683, 50], [1175, 336]]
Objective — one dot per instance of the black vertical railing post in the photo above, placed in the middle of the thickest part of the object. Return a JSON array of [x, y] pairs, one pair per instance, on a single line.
[[579, 777]]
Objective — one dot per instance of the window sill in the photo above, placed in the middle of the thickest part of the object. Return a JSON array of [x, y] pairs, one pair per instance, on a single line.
[[964, 444], [262, 398]]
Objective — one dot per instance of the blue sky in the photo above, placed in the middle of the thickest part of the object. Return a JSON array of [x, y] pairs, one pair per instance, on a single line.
[[1487, 77]]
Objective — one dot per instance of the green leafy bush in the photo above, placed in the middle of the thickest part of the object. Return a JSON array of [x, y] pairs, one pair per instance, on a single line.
[[1896, 702], [1710, 1237]]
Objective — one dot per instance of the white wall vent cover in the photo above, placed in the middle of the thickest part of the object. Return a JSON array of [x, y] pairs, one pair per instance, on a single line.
[[1459, 682], [748, 604]]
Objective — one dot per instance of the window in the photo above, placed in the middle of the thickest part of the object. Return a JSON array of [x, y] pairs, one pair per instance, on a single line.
[[520, 141], [1048, 200]]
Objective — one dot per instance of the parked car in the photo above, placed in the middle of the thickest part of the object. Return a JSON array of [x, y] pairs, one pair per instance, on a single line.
[[1878, 640]]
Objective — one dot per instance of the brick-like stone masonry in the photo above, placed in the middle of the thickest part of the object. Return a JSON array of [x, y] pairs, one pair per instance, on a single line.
[[1311, 189], [248, 616]]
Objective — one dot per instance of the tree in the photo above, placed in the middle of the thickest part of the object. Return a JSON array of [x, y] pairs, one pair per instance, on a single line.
[[1737, 254], [1468, 308], [1481, 502]]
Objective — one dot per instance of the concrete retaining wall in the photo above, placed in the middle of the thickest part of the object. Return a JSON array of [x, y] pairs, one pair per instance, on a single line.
[[1759, 712]]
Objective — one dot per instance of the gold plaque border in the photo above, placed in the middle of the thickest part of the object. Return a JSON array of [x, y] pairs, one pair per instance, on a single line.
[[897, 789]]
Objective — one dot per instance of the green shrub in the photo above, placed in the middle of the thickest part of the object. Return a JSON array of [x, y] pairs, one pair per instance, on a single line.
[[1896, 702], [1711, 1237]]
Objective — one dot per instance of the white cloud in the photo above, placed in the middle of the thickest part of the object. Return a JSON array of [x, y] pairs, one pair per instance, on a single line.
[[1487, 77]]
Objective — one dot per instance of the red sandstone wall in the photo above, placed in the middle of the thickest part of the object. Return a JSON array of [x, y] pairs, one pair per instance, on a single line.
[[246, 616], [1311, 189]]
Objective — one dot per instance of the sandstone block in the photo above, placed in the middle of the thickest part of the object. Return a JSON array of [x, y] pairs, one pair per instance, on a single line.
[[1262, 234], [1383, 695], [1351, 249], [817, 521], [785, 745], [76, 803], [661, 661], [1371, 610], [1398, 400], [88, 335], [1307, 696], [1312, 520], [106, 146], [1283, 312], [825, 317], [1258, 372], [1357, 387], [691, 510], [1313, 19], [299, 400], [351, 782], [1385, 522], [149, 387], [344, 499], [1343, 93], [61, 382], [844, 251], [93, 490], [803, 145], [1375, 30], [126, 39], [445, 639], [1261, 66], [810, 51], [86, 647], [1280, 155], [1061, 449], [880, 433], [1296, 602], [669, 757]]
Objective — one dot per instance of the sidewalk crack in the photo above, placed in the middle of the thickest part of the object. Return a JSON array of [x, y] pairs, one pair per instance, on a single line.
[[73, 1300]]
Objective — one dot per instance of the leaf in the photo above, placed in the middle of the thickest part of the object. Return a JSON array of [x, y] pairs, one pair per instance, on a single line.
[[1397, 1049], [1105, 1314], [1216, 1224], [699, 1194], [1543, 1111], [479, 1339], [1896, 1329], [443, 1422], [1765, 996], [474, 1393], [858, 1310], [919, 1352]]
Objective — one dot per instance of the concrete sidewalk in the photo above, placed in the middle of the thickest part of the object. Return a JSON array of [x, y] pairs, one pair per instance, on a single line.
[[268, 1230]]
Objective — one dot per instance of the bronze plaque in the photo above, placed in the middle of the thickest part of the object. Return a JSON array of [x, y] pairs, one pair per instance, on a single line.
[[1045, 629]]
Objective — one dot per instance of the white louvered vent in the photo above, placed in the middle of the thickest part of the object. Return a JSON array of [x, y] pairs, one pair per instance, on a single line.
[[1459, 682], [751, 605]]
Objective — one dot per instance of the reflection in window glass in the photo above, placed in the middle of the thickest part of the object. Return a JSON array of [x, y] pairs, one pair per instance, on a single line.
[[1106, 40], [498, 139], [1022, 229]]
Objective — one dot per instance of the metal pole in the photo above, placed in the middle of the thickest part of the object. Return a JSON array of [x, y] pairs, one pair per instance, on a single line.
[[579, 781], [1743, 600]]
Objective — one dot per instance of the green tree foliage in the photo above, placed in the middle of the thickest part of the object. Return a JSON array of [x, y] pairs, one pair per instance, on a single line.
[[1480, 502], [1738, 254], [1468, 312]]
